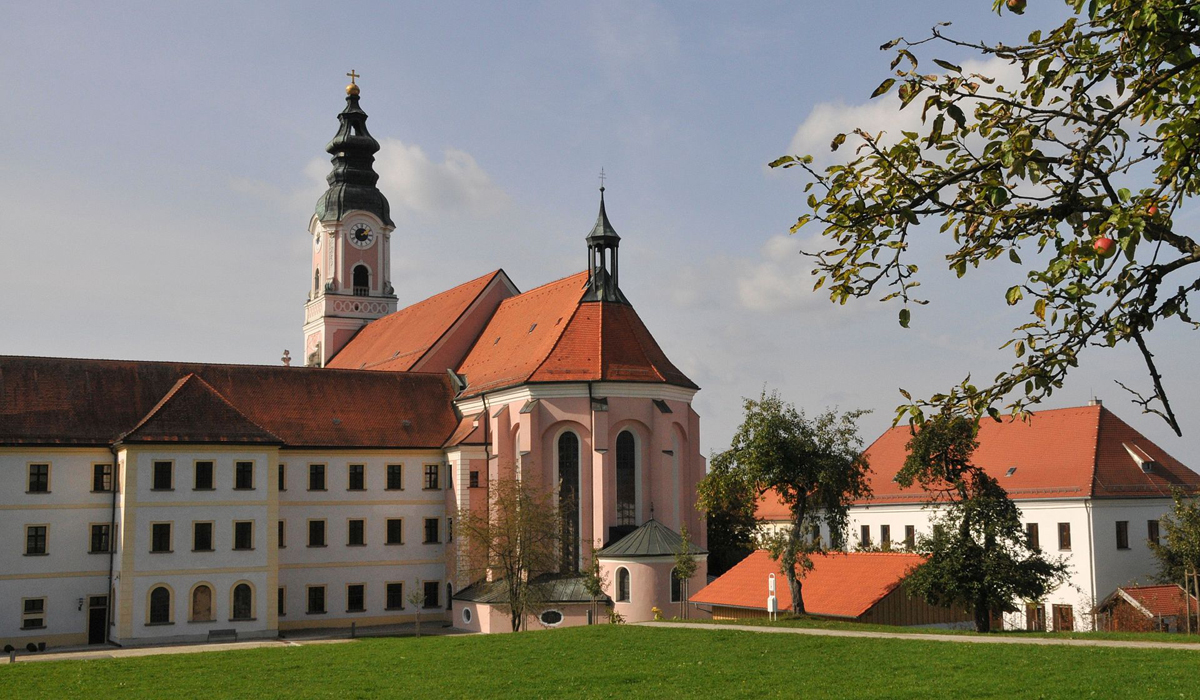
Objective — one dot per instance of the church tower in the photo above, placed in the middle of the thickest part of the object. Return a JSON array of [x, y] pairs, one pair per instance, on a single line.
[[351, 242]]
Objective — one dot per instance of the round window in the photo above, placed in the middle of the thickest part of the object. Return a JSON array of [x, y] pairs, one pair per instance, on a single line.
[[466, 615], [551, 617]]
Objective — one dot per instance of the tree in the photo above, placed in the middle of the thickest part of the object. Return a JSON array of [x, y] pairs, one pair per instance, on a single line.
[[979, 554], [815, 467], [685, 569], [729, 516], [1074, 173], [594, 580], [1179, 551], [417, 600], [512, 543]]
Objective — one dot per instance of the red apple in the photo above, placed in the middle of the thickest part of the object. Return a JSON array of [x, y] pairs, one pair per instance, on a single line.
[[1104, 246], [1152, 210], [1017, 6]]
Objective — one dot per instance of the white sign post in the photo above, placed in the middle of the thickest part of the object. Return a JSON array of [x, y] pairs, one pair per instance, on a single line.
[[772, 602]]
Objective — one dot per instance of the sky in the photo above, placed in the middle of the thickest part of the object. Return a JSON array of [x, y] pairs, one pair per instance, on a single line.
[[160, 163]]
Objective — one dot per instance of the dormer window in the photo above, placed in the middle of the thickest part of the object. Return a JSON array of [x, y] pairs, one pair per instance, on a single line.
[[1011, 471]]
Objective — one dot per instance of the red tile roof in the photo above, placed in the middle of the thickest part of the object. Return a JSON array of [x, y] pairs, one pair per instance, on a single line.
[[64, 401], [193, 412], [549, 334], [1157, 600], [399, 340], [1063, 453], [839, 585], [468, 432]]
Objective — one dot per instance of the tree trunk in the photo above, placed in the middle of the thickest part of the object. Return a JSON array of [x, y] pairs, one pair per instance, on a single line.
[[983, 617], [795, 587]]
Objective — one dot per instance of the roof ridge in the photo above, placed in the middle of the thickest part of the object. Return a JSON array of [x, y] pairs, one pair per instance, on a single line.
[[158, 406], [478, 295], [547, 284]]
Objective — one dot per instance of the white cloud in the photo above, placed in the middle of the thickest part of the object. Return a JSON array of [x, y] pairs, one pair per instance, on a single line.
[[828, 119], [457, 185], [780, 280]]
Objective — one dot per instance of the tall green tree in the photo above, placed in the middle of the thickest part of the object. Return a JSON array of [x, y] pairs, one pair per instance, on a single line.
[[979, 554], [729, 503], [1178, 552], [1076, 172], [815, 467]]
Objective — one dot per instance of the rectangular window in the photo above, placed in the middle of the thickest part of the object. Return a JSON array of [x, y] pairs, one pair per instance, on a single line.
[[100, 539], [35, 539], [356, 597], [864, 536], [202, 537], [1152, 531], [910, 536], [1122, 534], [243, 476], [283, 477], [474, 482], [431, 477], [395, 531], [885, 536], [39, 478], [316, 533], [431, 589], [316, 600], [316, 477], [356, 533], [395, 596], [204, 476], [243, 534], [33, 613], [357, 477], [160, 537], [1064, 536], [450, 530], [1031, 534], [281, 600], [395, 477], [431, 530], [282, 541], [102, 477], [162, 477]]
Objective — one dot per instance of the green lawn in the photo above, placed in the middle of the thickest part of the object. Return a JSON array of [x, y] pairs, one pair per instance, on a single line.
[[623, 661], [818, 623]]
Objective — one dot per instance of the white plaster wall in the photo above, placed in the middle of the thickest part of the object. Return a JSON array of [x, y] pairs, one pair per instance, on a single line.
[[181, 629]]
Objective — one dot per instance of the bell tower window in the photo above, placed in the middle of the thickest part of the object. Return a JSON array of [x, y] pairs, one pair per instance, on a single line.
[[362, 281], [317, 281]]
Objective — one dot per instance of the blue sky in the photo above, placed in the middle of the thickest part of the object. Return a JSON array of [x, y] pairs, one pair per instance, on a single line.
[[161, 161]]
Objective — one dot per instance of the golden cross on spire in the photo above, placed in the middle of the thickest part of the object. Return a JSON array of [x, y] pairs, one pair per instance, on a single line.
[[352, 75]]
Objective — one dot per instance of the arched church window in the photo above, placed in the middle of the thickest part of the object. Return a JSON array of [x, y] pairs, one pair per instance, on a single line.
[[362, 281], [622, 585], [626, 479], [568, 498], [243, 602], [676, 587], [160, 606]]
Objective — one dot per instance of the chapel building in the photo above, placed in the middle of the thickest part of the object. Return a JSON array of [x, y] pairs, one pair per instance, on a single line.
[[152, 502]]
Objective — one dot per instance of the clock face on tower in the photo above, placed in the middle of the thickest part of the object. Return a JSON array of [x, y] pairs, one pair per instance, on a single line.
[[361, 236]]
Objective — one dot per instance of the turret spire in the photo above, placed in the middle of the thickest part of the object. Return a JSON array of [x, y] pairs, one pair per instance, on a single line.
[[602, 243], [352, 181]]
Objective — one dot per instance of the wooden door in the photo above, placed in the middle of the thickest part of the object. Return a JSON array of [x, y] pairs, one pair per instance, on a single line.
[[1035, 617], [1064, 618]]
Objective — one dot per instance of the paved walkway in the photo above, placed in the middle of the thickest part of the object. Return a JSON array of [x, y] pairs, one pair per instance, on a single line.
[[294, 638], [921, 637]]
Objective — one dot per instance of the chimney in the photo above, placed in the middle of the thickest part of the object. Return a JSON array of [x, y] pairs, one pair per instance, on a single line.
[[1095, 402]]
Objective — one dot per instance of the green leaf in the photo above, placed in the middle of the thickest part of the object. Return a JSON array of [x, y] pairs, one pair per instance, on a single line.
[[837, 141], [948, 65], [904, 318], [1013, 295], [1012, 255], [883, 87]]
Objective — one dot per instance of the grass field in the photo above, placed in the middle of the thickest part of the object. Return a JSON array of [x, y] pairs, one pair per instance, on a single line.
[[624, 661], [817, 623]]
